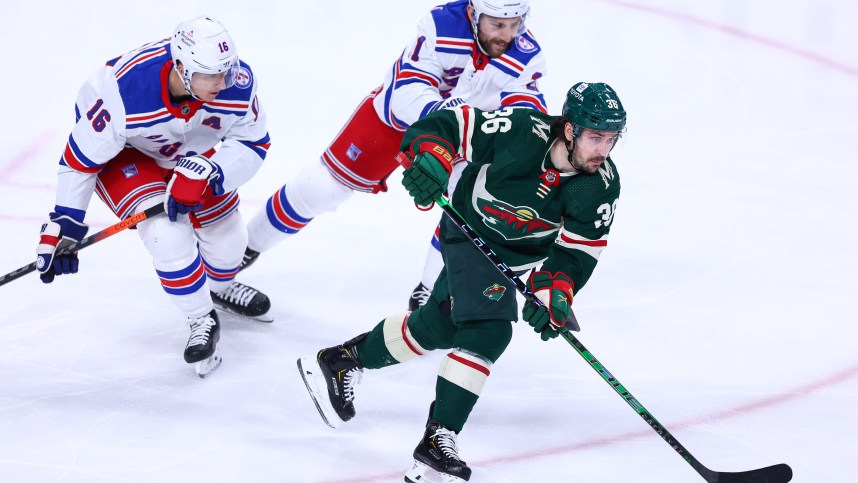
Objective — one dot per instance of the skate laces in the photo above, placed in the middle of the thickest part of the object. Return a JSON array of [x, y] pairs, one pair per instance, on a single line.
[[249, 257], [446, 442], [350, 381], [238, 293], [421, 294], [200, 330]]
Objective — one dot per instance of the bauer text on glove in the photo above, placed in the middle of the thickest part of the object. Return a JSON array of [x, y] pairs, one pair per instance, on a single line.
[[429, 174]]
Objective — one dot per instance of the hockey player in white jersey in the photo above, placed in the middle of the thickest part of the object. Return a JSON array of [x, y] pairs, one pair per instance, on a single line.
[[476, 52], [148, 123]]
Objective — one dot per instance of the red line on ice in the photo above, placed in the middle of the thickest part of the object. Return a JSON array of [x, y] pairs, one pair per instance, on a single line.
[[777, 399]]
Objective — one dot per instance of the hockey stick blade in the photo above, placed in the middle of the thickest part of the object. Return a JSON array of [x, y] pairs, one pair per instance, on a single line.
[[65, 249], [780, 473]]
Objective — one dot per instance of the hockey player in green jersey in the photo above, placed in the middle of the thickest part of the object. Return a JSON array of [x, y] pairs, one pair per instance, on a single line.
[[541, 191]]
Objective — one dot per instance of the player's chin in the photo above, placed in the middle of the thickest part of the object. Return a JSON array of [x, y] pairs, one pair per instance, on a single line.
[[498, 50], [592, 166]]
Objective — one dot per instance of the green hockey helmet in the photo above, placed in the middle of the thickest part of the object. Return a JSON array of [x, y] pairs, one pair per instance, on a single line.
[[594, 106]]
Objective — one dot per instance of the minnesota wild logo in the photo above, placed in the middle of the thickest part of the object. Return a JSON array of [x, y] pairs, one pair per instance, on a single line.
[[513, 222], [495, 292]]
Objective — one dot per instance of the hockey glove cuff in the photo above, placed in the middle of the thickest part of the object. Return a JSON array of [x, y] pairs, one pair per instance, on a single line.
[[555, 292], [60, 227], [426, 179], [447, 104], [191, 176]]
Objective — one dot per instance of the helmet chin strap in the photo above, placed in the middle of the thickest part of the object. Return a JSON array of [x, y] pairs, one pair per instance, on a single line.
[[570, 145], [185, 81], [475, 28]]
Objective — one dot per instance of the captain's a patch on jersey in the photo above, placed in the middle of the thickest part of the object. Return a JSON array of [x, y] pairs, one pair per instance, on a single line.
[[494, 292]]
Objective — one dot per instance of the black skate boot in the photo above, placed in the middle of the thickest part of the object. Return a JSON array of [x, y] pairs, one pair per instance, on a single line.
[[419, 297], [331, 379], [438, 451], [202, 344], [244, 301], [249, 258]]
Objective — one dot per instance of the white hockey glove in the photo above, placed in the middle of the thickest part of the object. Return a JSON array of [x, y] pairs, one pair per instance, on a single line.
[[448, 104]]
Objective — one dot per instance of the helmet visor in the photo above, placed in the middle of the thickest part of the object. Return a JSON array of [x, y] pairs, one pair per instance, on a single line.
[[216, 81]]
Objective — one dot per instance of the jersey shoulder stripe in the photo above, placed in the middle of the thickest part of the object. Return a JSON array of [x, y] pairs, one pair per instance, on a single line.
[[508, 64], [515, 60], [147, 119], [450, 45], [524, 99], [128, 61]]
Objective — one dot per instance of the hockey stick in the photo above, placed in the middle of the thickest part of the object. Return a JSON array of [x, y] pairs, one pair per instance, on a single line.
[[65, 249], [780, 473]]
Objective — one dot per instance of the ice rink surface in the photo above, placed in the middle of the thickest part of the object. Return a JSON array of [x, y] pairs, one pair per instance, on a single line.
[[725, 302]]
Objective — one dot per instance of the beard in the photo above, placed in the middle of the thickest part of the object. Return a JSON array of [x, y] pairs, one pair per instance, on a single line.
[[494, 48], [589, 165]]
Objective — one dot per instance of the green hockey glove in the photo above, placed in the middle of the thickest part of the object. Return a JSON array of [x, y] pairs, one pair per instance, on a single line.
[[426, 179], [555, 292]]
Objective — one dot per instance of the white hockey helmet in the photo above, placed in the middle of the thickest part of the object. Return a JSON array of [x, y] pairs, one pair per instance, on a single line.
[[204, 46], [501, 9]]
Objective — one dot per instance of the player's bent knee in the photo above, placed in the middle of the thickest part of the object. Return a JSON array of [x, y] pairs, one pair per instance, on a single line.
[[222, 243], [167, 241], [488, 338], [315, 191]]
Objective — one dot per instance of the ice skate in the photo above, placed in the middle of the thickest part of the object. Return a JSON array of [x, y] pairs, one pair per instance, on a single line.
[[244, 301], [202, 344], [419, 297], [436, 457], [331, 378], [248, 259]]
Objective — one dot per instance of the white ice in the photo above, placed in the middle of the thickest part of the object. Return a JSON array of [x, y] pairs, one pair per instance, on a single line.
[[725, 302]]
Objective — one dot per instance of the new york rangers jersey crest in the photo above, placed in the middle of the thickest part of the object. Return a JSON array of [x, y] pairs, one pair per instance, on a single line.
[[243, 78]]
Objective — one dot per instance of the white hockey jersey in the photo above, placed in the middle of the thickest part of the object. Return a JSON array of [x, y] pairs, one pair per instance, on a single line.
[[126, 103], [440, 63]]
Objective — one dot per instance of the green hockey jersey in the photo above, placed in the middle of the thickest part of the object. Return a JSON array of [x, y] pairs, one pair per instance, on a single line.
[[512, 195]]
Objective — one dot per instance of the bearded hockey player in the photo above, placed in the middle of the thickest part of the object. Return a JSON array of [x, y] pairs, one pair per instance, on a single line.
[[476, 53], [542, 192]]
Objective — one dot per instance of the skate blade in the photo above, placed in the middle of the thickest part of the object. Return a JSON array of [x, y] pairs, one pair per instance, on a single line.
[[205, 367], [311, 373], [421, 473], [266, 317]]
